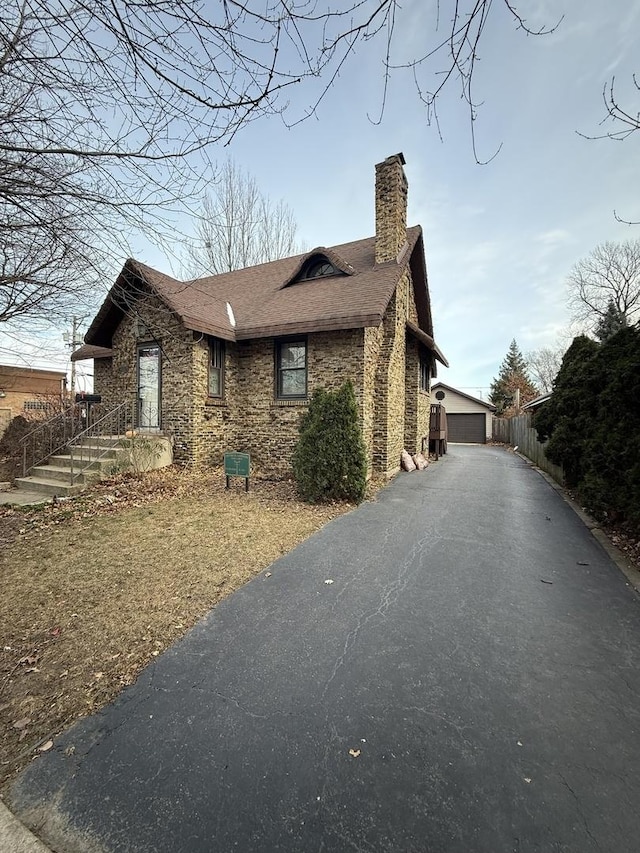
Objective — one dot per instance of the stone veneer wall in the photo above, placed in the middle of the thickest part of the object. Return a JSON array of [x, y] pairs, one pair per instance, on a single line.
[[214, 430], [417, 401], [373, 398], [154, 323], [391, 209], [388, 433], [103, 380], [267, 428], [248, 418], [393, 402]]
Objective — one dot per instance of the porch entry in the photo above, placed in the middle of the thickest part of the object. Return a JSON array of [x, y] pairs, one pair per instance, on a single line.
[[149, 387]]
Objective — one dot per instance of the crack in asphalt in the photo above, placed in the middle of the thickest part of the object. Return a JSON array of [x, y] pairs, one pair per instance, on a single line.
[[594, 840]]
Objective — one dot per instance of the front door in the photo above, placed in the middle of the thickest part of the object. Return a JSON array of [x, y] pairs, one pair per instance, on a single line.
[[149, 387]]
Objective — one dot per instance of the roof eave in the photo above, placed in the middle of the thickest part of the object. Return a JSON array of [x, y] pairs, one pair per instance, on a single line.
[[427, 341], [359, 321]]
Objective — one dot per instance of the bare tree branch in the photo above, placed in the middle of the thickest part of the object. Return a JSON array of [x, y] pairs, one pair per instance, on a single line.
[[239, 227], [610, 275], [543, 365], [109, 109]]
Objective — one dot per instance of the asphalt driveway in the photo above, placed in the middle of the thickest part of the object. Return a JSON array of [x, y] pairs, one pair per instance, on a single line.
[[450, 669]]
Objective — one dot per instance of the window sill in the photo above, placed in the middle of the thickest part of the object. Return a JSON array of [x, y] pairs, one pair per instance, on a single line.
[[215, 401], [300, 401]]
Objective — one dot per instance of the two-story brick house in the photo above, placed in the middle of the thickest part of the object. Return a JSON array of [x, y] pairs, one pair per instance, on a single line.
[[229, 361]]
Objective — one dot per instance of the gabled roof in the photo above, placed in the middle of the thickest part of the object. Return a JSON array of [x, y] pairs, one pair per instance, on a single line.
[[484, 403], [263, 306]]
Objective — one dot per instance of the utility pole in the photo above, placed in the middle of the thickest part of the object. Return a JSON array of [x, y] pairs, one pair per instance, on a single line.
[[72, 341]]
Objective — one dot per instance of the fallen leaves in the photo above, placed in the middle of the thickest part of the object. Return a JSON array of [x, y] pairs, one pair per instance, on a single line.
[[21, 725], [74, 608], [354, 753]]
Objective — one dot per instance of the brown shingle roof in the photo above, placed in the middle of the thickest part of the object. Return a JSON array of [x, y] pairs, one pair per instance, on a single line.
[[263, 306]]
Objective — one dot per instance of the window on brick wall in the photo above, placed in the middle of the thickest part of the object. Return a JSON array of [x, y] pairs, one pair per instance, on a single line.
[[291, 370], [425, 372], [216, 367]]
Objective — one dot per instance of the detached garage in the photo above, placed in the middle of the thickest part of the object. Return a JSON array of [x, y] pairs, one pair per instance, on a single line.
[[468, 418]]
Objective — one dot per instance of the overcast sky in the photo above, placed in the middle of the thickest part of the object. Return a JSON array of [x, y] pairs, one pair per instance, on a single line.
[[500, 238]]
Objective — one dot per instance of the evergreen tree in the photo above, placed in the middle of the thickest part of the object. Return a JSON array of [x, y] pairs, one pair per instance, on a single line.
[[567, 419], [592, 423], [513, 376], [329, 460], [610, 485], [611, 322]]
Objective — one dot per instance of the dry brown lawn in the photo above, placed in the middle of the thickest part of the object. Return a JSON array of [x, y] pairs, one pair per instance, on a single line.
[[94, 588]]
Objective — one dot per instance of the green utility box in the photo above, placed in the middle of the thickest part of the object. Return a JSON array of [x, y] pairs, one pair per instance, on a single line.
[[237, 465]]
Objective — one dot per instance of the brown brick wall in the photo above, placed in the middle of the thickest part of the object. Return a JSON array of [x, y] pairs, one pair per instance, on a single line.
[[21, 385]]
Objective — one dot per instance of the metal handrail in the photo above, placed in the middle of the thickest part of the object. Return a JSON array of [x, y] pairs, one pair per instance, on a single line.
[[113, 423], [47, 438]]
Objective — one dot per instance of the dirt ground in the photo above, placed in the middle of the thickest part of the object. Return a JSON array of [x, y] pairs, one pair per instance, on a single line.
[[93, 588]]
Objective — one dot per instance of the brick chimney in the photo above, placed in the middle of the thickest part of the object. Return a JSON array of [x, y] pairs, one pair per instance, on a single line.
[[391, 208]]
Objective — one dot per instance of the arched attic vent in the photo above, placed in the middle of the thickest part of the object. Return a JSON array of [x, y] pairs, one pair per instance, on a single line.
[[319, 263]]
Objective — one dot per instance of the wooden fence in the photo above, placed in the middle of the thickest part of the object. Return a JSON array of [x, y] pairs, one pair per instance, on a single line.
[[518, 432]]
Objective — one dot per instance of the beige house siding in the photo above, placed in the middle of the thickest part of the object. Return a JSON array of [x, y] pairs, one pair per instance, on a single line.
[[457, 404]]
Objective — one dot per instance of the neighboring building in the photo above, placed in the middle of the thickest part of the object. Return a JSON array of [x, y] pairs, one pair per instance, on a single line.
[[469, 419], [533, 405], [27, 390], [229, 362]]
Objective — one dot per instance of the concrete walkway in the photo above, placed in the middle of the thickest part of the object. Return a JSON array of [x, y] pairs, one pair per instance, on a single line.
[[452, 668], [22, 497]]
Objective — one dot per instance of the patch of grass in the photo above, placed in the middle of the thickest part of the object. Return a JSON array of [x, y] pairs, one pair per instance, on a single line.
[[95, 588]]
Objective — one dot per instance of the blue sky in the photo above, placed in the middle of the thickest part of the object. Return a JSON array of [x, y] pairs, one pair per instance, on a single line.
[[500, 238]]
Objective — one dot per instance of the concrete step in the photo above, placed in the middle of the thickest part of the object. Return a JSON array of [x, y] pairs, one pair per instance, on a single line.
[[48, 487], [101, 441], [63, 475], [87, 457]]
